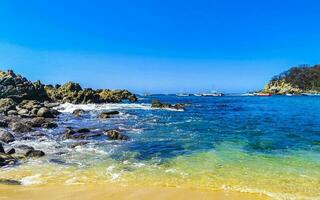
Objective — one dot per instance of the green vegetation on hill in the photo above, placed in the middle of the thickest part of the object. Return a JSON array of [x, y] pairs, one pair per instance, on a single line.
[[296, 80]]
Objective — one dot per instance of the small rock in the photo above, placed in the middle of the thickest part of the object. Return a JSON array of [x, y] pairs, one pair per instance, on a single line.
[[115, 135], [20, 127], [83, 130], [12, 112], [68, 134], [6, 136], [9, 182], [2, 162], [76, 144], [34, 153], [106, 115], [7, 104], [78, 112], [42, 122], [45, 112]]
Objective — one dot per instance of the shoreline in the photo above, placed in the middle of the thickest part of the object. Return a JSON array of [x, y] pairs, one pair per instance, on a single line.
[[113, 191]]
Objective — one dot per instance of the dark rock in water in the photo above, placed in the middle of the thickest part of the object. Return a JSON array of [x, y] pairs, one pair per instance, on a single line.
[[78, 112], [42, 122], [23, 149], [3, 124], [115, 135], [45, 112], [6, 136], [106, 115], [9, 182], [76, 144], [83, 130], [159, 104], [20, 127], [2, 162], [1, 149], [34, 153], [6, 104], [68, 134], [11, 151]]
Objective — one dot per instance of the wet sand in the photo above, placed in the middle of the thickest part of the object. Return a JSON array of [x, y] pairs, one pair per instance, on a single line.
[[108, 191]]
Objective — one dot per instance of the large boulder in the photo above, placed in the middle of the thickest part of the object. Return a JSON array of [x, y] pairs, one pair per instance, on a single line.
[[45, 112], [34, 153], [42, 122], [20, 127], [6, 136], [106, 115]]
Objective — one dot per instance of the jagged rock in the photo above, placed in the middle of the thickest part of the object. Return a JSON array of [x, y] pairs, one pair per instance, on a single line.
[[45, 112], [19, 88], [2, 162], [6, 136], [115, 135], [78, 112], [20, 127], [68, 134], [34, 153], [159, 104]]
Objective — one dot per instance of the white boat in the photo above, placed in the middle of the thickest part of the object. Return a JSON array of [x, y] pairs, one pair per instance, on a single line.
[[212, 94], [198, 95], [247, 94], [183, 95]]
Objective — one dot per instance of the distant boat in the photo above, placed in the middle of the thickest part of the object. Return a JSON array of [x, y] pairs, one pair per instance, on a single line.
[[289, 95], [183, 95], [211, 94], [197, 94]]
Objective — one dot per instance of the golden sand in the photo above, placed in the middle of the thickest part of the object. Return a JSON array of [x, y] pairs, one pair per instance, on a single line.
[[108, 191]]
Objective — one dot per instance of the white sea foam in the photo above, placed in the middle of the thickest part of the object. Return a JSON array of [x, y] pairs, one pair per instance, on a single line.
[[69, 108], [32, 180]]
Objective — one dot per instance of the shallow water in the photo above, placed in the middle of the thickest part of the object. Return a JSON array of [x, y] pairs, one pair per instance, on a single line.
[[268, 145]]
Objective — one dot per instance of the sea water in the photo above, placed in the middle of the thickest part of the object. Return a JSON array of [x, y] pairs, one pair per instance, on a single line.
[[267, 145]]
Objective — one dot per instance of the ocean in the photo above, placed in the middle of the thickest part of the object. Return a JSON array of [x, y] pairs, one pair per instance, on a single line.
[[263, 145]]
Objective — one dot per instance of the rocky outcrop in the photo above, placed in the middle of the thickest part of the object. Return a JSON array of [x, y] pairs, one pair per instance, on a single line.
[[73, 93], [19, 88], [297, 80], [159, 104]]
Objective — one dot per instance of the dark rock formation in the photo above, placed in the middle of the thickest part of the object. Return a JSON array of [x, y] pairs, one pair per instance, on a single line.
[[116, 135], [45, 112], [159, 104], [106, 115], [78, 112], [83, 130], [20, 127], [6, 136], [42, 122], [34, 153], [19, 88], [9, 181]]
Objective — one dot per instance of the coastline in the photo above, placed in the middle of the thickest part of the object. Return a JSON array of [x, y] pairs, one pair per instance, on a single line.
[[114, 191]]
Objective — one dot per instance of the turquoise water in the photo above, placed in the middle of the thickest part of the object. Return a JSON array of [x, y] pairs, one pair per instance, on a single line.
[[268, 145]]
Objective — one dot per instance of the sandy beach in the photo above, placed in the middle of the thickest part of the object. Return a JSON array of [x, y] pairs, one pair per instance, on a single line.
[[108, 191]]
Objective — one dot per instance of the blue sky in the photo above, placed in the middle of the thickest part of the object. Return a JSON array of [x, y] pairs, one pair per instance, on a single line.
[[160, 45]]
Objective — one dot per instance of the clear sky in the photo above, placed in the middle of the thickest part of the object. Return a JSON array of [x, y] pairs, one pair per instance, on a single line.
[[159, 45]]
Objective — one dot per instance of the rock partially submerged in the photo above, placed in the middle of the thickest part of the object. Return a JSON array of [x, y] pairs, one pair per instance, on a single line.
[[159, 104], [106, 115], [116, 135], [6, 136]]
